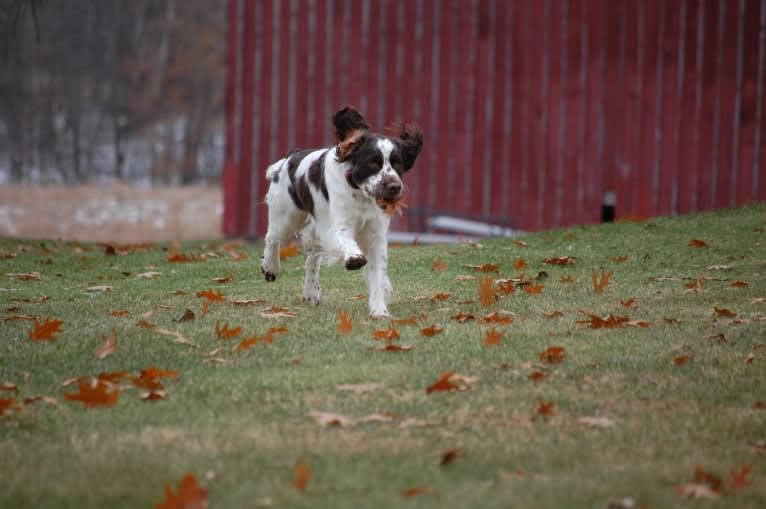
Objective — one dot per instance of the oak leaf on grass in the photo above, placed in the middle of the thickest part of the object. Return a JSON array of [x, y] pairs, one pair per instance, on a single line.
[[190, 495], [95, 393], [345, 324], [45, 331], [492, 337]]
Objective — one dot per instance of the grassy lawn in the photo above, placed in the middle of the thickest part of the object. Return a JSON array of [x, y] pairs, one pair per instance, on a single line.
[[631, 411]]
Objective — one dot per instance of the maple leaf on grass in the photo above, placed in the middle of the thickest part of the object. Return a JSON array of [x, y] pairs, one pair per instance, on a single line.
[[519, 264], [492, 337], [439, 297], [438, 266], [431, 331], [450, 382], [698, 243], [450, 456], [545, 409], [211, 296], [506, 287], [345, 325], [247, 343], [536, 376], [533, 289], [302, 474], [45, 331], [226, 333], [728, 313], [600, 284], [631, 302], [95, 393], [487, 295], [277, 312], [190, 495], [681, 360], [610, 322], [496, 317], [560, 260], [386, 334], [553, 355], [8, 404], [484, 267], [109, 346], [463, 317], [740, 479]]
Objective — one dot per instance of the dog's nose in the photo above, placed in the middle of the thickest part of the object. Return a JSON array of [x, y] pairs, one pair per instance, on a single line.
[[392, 190]]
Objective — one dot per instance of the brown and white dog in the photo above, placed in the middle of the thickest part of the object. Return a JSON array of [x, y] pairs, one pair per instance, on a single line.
[[335, 197]]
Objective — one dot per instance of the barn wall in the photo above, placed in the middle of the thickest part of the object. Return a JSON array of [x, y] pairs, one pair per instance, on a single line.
[[532, 110]]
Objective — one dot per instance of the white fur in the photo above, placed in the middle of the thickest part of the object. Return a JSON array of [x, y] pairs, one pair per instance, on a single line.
[[351, 226]]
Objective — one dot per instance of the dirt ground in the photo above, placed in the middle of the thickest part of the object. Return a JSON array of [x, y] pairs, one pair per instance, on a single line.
[[112, 213]]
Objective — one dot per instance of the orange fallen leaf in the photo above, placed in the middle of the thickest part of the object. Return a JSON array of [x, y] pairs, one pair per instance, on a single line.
[[450, 455], [487, 295], [739, 284], [386, 334], [226, 333], [345, 324], [443, 384], [496, 317], [413, 320], [521, 243], [441, 296], [438, 265], [610, 322], [302, 474], [188, 316], [45, 331], [533, 289], [224, 280], [431, 331], [120, 312], [553, 355], [143, 324], [728, 313], [536, 376], [560, 260], [545, 409], [211, 296], [416, 491], [682, 359], [506, 286], [7, 404], [712, 480], [599, 284], [190, 495], [247, 343], [391, 347], [628, 303], [740, 479], [289, 251], [109, 346], [492, 337], [485, 267], [95, 393], [463, 317], [519, 264], [697, 243]]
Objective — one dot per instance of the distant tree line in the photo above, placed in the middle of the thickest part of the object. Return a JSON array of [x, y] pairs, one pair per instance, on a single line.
[[99, 89]]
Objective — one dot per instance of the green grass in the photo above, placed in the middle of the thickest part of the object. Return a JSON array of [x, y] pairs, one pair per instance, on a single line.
[[239, 427]]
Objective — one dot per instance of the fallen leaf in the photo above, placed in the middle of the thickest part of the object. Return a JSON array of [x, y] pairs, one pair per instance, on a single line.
[[492, 337], [560, 260], [109, 346], [596, 422], [519, 264], [485, 267], [759, 405], [496, 317], [45, 331], [533, 289], [226, 333], [713, 481], [247, 343], [740, 479], [628, 303], [417, 490], [442, 296], [553, 355], [438, 265], [682, 359], [345, 325], [329, 419], [619, 259], [443, 384], [739, 284], [224, 280], [190, 495], [463, 317], [413, 320], [450, 456], [386, 334], [9, 387], [553, 314], [154, 395], [391, 347], [143, 324], [758, 300], [599, 284], [302, 474], [431, 331], [697, 243], [289, 251], [393, 207], [100, 288], [464, 277], [188, 316], [95, 393], [725, 312], [545, 409], [277, 312], [487, 295], [247, 302], [211, 296], [610, 322], [521, 243], [536, 376], [696, 490], [505, 286], [7, 404], [750, 358], [26, 276], [179, 337], [149, 275]]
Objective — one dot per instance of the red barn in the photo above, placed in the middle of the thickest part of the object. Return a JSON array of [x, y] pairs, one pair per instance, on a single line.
[[533, 110]]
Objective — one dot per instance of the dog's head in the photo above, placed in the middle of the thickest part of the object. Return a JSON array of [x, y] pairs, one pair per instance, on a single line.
[[377, 162]]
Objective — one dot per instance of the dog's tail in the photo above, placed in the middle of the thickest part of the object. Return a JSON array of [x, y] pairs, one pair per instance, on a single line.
[[272, 172]]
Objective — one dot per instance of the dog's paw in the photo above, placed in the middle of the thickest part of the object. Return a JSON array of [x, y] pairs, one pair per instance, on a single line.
[[269, 276], [311, 299], [356, 262], [380, 314]]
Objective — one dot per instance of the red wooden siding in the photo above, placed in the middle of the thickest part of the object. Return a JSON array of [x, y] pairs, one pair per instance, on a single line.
[[532, 109]]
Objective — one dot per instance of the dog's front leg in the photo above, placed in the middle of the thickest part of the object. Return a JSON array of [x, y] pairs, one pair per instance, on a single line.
[[378, 285], [352, 254]]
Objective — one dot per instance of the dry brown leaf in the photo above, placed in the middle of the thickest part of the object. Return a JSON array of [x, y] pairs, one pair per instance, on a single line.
[[519, 264], [448, 382], [188, 316], [610, 322], [431, 331], [553, 355], [619, 259], [247, 302], [545, 409], [599, 284], [464, 277], [531, 289], [450, 456], [697, 243], [696, 490], [463, 317], [631, 302], [725, 312], [521, 243], [345, 325], [492, 337], [496, 317], [211, 296], [487, 295], [560, 260], [739, 284], [100, 288], [417, 491], [109, 346], [25, 276], [277, 312], [45, 331], [438, 265], [190, 495], [681, 360], [553, 314], [536, 376], [226, 333], [302, 474], [224, 280], [441, 296], [95, 393], [484, 267], [393, 207]]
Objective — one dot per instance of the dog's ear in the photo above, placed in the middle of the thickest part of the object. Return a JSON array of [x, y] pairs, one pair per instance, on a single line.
[[410, 141], [347, 121], [346, 147]]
